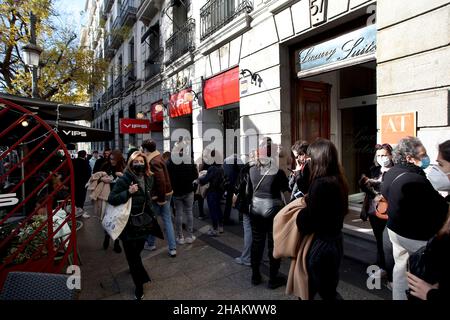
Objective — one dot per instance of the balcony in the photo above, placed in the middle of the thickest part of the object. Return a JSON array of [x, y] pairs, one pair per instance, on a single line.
[[130, 76], [148, 9], [109, 51], [153, 65], [215, 14], [116, 34], [181, 41], [110, 94], [107, 5], [118, 87], [128, 13]]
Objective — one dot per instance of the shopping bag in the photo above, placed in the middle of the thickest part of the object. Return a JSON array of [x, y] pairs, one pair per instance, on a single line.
[[116, 218]]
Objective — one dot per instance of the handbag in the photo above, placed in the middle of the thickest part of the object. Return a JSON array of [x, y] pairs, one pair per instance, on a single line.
[[381, 207], [264, 207]]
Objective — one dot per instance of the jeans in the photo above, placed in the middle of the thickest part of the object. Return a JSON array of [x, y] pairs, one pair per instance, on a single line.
[[200, 202], [402, 248], [228, 203], [246, 251], [215, 211], [262, 228], [164, 212], [133, 249], [183, 205]]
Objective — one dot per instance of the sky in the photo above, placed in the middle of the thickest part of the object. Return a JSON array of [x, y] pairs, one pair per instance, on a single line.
[[70, 11]]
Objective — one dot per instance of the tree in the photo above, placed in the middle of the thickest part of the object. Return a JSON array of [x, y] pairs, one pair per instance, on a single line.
[[67, 71]]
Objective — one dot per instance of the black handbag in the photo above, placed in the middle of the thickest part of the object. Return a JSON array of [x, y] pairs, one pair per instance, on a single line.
[[264, 207], [146, 223]]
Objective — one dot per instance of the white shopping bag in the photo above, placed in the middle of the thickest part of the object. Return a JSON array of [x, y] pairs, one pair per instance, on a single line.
[[116, 218]]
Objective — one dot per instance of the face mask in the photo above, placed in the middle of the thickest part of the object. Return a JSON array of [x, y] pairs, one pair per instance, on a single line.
[[384, 161], [139, 168], [424, 163], [439, 179]]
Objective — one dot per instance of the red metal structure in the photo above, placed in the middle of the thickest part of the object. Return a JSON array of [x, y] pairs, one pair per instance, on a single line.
[[36, 181]]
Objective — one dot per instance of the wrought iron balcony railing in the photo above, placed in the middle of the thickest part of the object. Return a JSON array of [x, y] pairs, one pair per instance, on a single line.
[[109, 50], [128, 12], [181, 41], [217, 13], [110, 94], [130, 76], [153, 64], [118, 87]]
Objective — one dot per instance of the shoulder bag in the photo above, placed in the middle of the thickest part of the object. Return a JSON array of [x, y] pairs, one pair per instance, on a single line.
[[381, 206], [264, 207]]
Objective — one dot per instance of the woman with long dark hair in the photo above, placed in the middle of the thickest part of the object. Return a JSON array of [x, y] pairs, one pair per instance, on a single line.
[[327, 204]]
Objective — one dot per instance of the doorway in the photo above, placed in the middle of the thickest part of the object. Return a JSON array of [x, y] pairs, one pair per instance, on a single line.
[[359, 136]]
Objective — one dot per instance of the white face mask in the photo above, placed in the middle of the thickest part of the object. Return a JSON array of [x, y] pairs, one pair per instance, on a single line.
[[439, 179], [384, 161]]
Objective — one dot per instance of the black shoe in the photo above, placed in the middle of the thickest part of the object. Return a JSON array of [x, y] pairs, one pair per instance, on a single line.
[[106, 242], [276, 282], [117, 248], [139, 293], [256, 279]]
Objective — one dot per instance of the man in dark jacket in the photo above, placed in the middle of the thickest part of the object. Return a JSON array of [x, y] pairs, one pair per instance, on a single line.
[[182, 176], [161, 194], [231, 167], [101, 161], [82, 171], [416, 211]]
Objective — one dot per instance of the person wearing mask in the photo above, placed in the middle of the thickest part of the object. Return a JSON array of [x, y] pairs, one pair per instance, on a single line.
[[101, 161], [326, 207], [93, 159], [82, 172], [182, 175], [161, 195], [299, 178], [416, 211], [439, 175], [268, 183], [114, 169], [243, 191], [371, 186], [136, 182]]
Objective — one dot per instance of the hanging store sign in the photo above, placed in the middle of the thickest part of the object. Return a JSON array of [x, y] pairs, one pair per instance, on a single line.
[[222, 89], [352, 48], [134, 126], [157, 111], [179, 106], [397, 126]]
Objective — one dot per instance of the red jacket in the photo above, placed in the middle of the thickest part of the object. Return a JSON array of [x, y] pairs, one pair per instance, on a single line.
[[162, 187]]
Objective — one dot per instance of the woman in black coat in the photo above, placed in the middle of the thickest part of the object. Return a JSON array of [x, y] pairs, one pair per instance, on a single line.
[[136, 183], [326, 206]]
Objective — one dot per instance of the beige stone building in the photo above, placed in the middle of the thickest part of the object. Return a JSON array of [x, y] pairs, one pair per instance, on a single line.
[[355, 71]]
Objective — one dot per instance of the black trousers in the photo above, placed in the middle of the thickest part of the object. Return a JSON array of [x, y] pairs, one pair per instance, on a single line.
[[378, 226], [80, 196], [262, 228], [322, 262], [228, 203], [133, 249]]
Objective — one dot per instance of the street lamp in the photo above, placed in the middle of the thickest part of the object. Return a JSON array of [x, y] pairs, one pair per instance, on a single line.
[[31, 56]]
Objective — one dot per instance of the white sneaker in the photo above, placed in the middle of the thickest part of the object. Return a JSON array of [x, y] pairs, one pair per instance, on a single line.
[[173, 253], [212, 233], [189, 240], [86, 215], [180, 240], [149, 248]]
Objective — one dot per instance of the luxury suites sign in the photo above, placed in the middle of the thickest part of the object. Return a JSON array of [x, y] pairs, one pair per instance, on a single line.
[[352, 48]]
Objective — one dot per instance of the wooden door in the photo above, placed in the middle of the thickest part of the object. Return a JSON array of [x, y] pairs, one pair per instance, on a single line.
[[311, 116]]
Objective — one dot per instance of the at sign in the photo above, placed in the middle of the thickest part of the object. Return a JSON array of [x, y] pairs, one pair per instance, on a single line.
[[397, 126]]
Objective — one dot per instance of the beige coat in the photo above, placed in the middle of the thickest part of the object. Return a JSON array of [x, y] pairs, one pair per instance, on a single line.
[[99, 192], [289, 243]]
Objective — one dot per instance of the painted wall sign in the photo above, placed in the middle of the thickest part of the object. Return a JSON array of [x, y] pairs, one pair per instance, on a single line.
[[318, 10], [350, 46], [397, 126], [134, 126]]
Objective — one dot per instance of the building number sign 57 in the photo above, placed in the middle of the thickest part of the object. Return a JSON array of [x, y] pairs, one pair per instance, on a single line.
[[318, 9]]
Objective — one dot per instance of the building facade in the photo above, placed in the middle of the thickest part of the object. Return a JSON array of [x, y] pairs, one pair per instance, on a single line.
[[355, 71]]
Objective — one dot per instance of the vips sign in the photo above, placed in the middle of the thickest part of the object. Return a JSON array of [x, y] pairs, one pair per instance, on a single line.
[[134, 126], [397, 126], [355, 47], [178, 105]]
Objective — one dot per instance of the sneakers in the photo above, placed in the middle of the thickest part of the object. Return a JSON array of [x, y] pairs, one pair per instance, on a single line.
[[172, 253], [86, 215], [180, 240], [149, 248], [276, 283], [212, 233], [220, 229], [239, 260], [191, 239]]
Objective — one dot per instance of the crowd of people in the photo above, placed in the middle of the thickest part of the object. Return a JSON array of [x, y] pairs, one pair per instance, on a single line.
[[400, 178]]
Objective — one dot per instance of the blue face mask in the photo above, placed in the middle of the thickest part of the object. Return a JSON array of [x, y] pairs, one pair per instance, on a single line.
[[424, 163]]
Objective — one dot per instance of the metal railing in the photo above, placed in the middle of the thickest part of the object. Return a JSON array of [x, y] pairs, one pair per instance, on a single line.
[[217, 13], [118, 87], [153, 64], [181, 41], [128, 12], [110, 94], [130, 76], [107, 5]]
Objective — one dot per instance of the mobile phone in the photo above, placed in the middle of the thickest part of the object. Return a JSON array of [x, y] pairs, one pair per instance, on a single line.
[[298, 194]]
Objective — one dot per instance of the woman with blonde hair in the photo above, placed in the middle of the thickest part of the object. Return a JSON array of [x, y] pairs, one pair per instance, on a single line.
[[136, 182]]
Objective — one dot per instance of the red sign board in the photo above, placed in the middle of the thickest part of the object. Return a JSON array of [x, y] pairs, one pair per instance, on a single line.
[[134, 126], [222, 90], [156, 111], [178, 105]]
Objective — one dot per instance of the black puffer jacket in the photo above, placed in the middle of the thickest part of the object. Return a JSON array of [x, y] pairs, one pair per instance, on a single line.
[[244, 189], [140, 199], [182, 177]]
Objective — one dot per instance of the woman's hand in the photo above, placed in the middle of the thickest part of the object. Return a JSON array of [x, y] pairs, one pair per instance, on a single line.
[[119, 174], [106, 179], [133, 188], [419, 288]]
